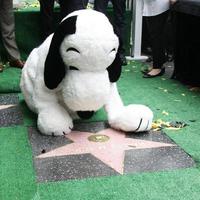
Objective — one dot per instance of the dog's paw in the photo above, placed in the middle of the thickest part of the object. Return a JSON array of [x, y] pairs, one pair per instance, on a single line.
[[136, 118], [54, 122]]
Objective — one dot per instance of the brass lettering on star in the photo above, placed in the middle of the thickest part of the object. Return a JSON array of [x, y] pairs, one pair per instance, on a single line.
[[98, 138]]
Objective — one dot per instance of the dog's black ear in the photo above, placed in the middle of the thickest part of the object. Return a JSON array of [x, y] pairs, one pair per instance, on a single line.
[[114, 70], [54, 69]]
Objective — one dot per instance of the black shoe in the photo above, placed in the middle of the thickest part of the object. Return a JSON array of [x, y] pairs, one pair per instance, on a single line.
[[17, 64], [145, 71], [123, 59], [1, 67], [152, 76]]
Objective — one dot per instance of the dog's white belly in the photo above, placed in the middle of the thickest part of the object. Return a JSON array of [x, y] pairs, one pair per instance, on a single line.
[[85, 91]]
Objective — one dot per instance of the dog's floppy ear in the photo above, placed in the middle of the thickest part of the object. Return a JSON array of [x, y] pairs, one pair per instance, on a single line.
[[114, 70], [54, 69]]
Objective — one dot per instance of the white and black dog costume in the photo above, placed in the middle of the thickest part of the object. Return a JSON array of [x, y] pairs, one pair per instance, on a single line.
[[73, 73]]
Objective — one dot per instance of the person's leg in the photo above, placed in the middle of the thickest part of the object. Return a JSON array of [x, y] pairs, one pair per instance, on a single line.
[[46, 12], [7, 23], [1, 7], [156, 25], [119, 8], [101, 5], [68, 6]]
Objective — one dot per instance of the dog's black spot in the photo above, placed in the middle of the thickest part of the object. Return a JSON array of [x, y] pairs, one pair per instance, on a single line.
[[114, 70], [55, 69], [85, 114]]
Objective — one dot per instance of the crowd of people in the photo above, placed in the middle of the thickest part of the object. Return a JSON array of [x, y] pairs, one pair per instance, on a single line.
[[119, 8], [155, 14]]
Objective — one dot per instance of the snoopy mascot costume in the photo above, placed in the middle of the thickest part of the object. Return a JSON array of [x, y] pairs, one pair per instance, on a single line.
[[73, 73]]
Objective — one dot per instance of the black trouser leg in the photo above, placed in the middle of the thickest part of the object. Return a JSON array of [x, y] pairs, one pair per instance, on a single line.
[[68, 6], [155, 26], [46, 11], [119, 7], [101, 5]]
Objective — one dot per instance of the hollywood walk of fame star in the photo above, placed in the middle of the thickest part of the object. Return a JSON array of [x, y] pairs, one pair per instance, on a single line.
[[107, 145]]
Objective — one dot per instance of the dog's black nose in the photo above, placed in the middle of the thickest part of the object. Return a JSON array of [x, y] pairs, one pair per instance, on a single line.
[[73, 68]]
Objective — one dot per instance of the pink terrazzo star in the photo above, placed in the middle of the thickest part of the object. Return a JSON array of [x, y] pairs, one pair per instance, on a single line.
[[111, 152]]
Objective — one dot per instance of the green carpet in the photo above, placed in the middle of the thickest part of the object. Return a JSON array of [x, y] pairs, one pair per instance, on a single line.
[[9, 80], [17, 176]]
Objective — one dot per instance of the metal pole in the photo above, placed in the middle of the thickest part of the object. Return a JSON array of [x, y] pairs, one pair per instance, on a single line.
[[137, 31]]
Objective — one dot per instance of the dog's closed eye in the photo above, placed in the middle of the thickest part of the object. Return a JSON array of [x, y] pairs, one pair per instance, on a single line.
[[73, 68], [72, 49], [113, 50]]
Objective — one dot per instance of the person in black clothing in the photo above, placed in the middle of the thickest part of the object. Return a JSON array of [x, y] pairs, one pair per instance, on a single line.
[[68, 6], [119, 8], [47, 11], [155, 16]]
